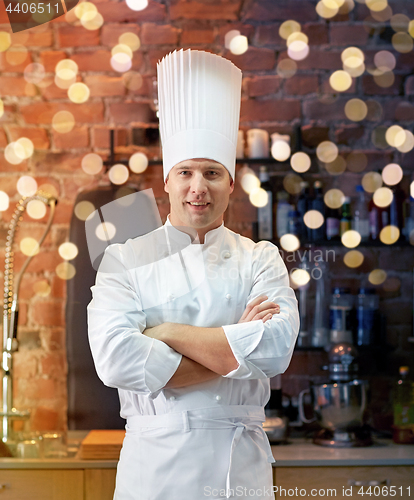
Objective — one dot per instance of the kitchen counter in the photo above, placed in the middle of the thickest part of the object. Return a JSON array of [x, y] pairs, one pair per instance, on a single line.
[[303, 453]]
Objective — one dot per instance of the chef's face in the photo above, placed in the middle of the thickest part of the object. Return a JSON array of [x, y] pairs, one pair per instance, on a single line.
[[198, 181]]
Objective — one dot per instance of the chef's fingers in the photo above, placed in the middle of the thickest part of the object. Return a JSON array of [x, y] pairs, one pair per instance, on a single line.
[[264, 314], [250, 306]]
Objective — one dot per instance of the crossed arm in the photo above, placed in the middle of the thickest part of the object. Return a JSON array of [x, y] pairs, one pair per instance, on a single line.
[[206, 351]]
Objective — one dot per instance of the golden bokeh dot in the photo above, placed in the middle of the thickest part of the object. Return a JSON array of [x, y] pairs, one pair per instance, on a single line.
[[248, 180], [356, 110], [313, 219], [259, 197], [334, 198], [353, 258], [4, 201], [65, 271], [138, 162], [121, 48], [391, 285], [280, 150], [385, 60], [118, 174], [336, 167], [400, 22], [64, 83], [27, 147], [50, 189], [408, 143], [82, 8], [68, 250], [36, 209], [42, 288], [392, 174], [239, 44], [14, 153], [63, 122], [340, 80], [228, 37], [92, 20], [324, 11], [300, 277], [300, 162], [371, 181], [392, 133], [389, 235], [66, 74], [298, 50], [121, 62], [131, 40], [351, 238], [286, 68], [297, 37], [67, 64], [1, 108], [347, 7], [402, 42], [122, 196], [352, 57], [105, 231], [383, 197], [385, 80], [78, 92], [17, 54], [92, 164], [411, 28], [377, 5], [132, 80], [84, 209], [354, 72], [26, 185], [292, 183], [327, 151], [34, 73], [332, 4], [5, 41], [29, 246], [288, 27], [356, 162], [383, 15], [377, 276], [289, 242]]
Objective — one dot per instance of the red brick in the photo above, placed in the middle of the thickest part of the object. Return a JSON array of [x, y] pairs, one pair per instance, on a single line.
[[16, 86], [6, 67], [37, 135], [33, 38], [119, 12], [343, 34], [254, 59], [153, 178], [371, 88], [100, 60], [404, 112], [5, 166], [269, 35], [49, 59], [409, 85], [270, 110], [131, 112], [55, 339], [50, 91], [101, 137], [77, 138], [317, 33], [103, 86], [48, 312], [245, 29], [146, 88], [313, 135], [215, 9], [240, 211], [317, 110], [261, 85], [319, 59], [62, 162], [110, 33], [159, 34], [24, 363], [302, 84], [53, 364], [44, 419], [269, 10], [193, 35], [3, 138], [43, 112], [349, 134], [76, 36], [58, 287]]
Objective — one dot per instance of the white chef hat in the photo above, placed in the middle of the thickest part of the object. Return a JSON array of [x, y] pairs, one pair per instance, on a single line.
[[199, 108]]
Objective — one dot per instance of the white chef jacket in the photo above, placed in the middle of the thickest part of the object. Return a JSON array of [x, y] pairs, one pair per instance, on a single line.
[[190, 452]]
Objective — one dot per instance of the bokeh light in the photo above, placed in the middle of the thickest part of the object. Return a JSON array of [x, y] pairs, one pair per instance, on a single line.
[[122, 49], [297, 36], [84, 7], [280, 150], [84, 209], [289, 242], [391, 135], [14, 153], [26, 185], [336, 167], [5, 41], [121, 62], [239, 44], [326, 12], [313, 219], [17, 54], [92, 20], [402, 42], [385, 80], [392, 174], [36, 209], [389, 235], [327, 151], [356, 162], [29, 246], [351, 238], [292, 183], [353, 258], [4, 201], [138, 163], [400, 22], [385, 60], [66, 64], [408, 143], [259, 197], [137, 4], [118, 174], [371, 181], [383, 197], [132, 80], [27, 148], [34, 73], [356, 110], [42, 288], [92, 164], [377, 5], [288, 27], [248, 179], [377, 276], [63, 121], [300, 277], [78, 92], [340, 81], [105, 231], [131, 40], [68, 250], [298, 50], [1, 108], [300, 162], [334, 198], [374, 110], [392, 285], [65, 271], [286, 68]]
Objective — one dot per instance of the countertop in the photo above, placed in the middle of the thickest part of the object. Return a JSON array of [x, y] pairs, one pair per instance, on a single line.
[[298, 452]]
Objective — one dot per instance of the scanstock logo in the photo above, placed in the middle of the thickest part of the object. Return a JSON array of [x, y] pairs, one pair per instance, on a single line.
[[26, 14]]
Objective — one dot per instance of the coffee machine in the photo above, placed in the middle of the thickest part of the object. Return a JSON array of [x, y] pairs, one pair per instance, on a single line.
[[339, 405]]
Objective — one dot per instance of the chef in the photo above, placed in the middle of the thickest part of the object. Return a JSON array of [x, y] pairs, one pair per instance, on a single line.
[[191, 320]]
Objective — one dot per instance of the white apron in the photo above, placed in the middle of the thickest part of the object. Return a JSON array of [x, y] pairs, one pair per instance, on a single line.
[[196, 454]]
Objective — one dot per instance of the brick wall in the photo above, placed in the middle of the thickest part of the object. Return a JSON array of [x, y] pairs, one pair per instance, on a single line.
[[269, 102]]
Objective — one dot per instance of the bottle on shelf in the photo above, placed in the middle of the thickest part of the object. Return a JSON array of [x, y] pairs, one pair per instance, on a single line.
[[332, 223], [265, 214], [361, 215], [346, 216], [282, 213], [396, 208], [378, 219], [366, 316], [294, 225], [318, 204], [408, 230], [302, 207], [341, 315], [403, 407]]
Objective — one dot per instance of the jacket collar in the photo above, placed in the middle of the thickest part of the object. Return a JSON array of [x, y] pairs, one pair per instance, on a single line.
[[213, 236]]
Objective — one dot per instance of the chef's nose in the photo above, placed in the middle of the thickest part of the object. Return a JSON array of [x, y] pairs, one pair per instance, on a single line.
[[198, 183]]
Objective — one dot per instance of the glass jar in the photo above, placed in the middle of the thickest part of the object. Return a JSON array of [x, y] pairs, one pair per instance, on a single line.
[[340, 315]]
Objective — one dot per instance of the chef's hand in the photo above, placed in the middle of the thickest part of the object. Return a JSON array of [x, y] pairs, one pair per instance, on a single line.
[[155, 332], [259, 309]]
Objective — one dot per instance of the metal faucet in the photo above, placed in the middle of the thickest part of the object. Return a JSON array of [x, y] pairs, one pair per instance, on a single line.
[[11, 310]]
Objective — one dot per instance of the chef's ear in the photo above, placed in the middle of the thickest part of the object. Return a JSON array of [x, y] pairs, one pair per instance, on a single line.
[[231, 184], [166, 184]]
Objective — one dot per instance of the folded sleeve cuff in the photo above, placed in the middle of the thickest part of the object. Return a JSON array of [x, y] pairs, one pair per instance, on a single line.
[[161, 364], [243, 338]]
